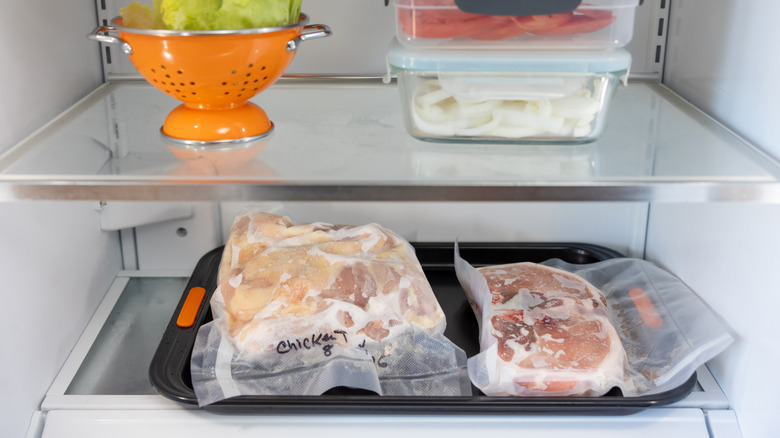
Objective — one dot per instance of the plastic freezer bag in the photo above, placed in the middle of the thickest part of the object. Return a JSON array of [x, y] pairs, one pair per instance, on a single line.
[[302, 309], [665, 329]]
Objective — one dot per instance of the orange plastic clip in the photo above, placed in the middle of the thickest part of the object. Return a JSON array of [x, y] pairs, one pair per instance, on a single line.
[[190, 308], [646, 308]]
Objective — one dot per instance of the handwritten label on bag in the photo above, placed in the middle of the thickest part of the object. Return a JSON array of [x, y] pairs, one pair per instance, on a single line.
[[326, 341], [317, 340]]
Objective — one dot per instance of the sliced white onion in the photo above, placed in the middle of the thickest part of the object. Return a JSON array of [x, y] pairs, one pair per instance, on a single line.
[[586, 120], [524, 118], [515, 131], [513, 87], [582, 130], [482, 129], [568, 128], [436, 111], [432, 97], [539, 107], [433, 128], [575, 107], [475, 109]]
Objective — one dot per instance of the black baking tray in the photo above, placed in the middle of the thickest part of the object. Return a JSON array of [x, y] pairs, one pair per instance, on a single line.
[[169, 370]]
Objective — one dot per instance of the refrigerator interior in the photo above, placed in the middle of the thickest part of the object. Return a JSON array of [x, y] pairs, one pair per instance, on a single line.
[[67, 259]]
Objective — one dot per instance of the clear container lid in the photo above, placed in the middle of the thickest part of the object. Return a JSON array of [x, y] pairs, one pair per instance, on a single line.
[[602, 61]]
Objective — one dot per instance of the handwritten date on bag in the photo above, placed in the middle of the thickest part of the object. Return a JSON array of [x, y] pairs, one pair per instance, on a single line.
[[381, 363], [318, 340]]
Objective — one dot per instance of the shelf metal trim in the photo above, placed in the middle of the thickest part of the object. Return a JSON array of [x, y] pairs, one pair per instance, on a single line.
[[656, 191]]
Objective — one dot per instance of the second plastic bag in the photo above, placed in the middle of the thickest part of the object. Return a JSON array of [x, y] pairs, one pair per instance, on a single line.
[[665, 329]]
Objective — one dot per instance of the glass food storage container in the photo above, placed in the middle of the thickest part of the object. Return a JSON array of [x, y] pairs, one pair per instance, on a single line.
[[496, 97], [440, 24]]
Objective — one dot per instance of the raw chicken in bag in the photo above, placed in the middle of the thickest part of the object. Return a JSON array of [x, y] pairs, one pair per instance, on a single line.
[[303, 309]]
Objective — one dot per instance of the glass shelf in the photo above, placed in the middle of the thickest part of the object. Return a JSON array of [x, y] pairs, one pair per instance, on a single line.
[[338, 140]]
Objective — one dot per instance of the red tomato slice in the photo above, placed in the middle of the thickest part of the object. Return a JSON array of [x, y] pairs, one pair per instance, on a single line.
[[578, 24], [449, 23], [513, 26], [504, 28], [535, 22], [594, 13]]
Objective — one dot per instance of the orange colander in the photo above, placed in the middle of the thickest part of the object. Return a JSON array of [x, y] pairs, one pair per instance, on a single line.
[[213, 73]]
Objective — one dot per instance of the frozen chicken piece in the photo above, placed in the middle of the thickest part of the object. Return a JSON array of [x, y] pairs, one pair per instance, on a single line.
[[276, 279], [553, 332]]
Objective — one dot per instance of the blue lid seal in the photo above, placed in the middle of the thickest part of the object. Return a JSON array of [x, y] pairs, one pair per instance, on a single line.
[[402, 58]]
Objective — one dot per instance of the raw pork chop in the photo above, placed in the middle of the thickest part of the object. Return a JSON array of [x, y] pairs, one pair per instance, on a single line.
[[553, 332]]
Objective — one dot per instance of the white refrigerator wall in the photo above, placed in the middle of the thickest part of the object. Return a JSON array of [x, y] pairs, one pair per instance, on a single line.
[[46, 64], [56, 263], [722, 56], [728, 255], [56, 267]]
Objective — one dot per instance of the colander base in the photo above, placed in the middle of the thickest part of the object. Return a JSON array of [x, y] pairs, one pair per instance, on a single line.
[[188, 125]]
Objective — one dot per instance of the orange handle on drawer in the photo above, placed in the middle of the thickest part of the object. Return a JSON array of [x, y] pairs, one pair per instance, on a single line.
[[190, 308]]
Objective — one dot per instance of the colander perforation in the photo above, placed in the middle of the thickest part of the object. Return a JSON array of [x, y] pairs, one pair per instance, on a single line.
[[215, 75]]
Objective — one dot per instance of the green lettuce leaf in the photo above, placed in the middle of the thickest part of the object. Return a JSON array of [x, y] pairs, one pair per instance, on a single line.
[[212, 14]]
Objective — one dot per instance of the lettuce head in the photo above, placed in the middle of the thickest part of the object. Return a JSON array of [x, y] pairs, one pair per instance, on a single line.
[[143, 16], [211, 14], [228, 14]]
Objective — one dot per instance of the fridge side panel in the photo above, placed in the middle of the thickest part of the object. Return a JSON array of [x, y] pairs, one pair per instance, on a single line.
[[47, 63], [57, 265], [722, 56], [726, 255]]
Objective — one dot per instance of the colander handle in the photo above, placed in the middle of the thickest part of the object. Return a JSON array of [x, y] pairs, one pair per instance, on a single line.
[[100, 34], [310, 32]]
